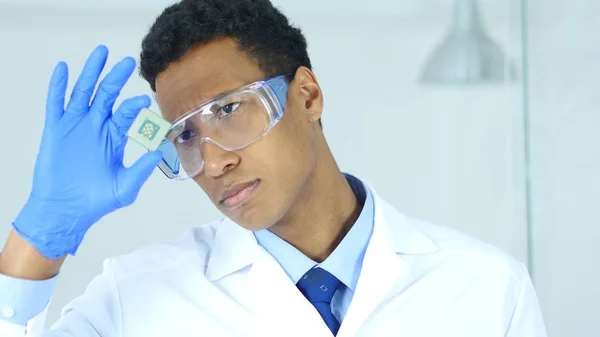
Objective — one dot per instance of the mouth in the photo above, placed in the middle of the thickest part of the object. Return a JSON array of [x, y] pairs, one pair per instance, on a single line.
[[238, 194]]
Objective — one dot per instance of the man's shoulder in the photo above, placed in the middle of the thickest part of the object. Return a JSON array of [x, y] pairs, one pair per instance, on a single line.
[[452, 240], [193, 246], [468, 251], [457, 248]]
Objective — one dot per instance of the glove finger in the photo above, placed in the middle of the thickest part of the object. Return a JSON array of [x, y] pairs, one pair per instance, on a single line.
[[110, 88], [55, 101], [86, 83], [128, 111], [133, 178]]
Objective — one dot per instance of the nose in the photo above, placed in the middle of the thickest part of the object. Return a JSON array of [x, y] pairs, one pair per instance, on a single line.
[[218, 161]]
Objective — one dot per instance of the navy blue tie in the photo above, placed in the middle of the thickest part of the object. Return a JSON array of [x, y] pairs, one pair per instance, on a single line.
[[318, 286]]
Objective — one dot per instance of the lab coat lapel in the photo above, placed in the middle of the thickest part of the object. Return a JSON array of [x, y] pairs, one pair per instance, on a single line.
[[267, 290], [383, 266], [277, 298]]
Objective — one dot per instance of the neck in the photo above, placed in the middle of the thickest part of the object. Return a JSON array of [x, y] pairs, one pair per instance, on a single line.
[[324, 212]]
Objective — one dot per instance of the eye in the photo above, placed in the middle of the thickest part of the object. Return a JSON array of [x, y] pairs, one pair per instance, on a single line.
[[229, 108], [185, 136]]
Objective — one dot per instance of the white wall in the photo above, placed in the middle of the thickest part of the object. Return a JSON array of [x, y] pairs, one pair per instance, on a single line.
[[565, 118], [450, 155]]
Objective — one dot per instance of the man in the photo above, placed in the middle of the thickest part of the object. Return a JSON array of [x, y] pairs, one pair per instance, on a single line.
[[304, 250]]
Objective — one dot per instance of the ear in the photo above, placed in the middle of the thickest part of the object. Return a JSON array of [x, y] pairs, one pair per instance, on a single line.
[[311, 94]]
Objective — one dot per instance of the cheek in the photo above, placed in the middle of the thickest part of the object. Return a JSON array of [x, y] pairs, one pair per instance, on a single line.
[[207, 185], [284, 153], [297, 135], [294, 130], [289, 146]]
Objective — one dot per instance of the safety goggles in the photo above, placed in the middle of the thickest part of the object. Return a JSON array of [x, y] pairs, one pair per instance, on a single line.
[[232, 121]]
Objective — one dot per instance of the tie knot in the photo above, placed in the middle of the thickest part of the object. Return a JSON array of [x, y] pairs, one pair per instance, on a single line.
[[318, 285]]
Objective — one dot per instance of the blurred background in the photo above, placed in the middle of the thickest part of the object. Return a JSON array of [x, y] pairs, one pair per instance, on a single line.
[[478, 115]]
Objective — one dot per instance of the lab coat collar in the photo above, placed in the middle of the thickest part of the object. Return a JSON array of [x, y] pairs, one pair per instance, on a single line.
[[404, 237], [234, 248], [394, 236]]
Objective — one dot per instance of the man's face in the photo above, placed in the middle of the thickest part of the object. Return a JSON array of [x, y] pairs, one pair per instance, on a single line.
[[271, 172]]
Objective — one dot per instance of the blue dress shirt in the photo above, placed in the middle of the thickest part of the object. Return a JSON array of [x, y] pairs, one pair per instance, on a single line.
[[345, 262], [21, 300]]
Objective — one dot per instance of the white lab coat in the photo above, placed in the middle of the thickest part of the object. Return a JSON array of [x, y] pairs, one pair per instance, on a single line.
[[418, 280]]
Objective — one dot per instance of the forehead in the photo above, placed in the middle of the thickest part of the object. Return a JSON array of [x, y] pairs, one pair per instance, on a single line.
[[203, 73]]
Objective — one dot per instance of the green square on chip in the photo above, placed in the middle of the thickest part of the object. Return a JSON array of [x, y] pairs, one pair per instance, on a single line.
[[149, 129]]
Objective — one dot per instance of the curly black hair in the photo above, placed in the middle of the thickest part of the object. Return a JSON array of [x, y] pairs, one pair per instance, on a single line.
[[259, 28]]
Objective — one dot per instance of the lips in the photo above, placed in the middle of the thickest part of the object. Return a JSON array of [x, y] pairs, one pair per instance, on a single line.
[[238, 193]]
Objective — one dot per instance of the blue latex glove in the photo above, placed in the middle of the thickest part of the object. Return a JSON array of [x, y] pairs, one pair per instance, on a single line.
[[79, 175]]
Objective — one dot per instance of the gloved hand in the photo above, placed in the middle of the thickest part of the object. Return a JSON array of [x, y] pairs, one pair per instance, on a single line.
[[79, 175]]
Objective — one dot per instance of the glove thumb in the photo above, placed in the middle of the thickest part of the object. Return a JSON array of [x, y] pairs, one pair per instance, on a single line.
[[134, 177]]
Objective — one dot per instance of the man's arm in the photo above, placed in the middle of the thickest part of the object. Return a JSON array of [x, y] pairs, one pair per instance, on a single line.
[[69, 195], [27, 280], [527, 320], [21, 260], [97, 313]]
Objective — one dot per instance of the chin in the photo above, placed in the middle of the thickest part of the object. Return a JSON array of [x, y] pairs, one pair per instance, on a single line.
[[252, 218]]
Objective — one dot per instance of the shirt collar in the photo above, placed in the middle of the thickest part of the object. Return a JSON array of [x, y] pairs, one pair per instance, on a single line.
[[345, 262]]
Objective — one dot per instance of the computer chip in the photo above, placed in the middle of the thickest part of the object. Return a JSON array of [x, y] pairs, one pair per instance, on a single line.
[[148, 129]]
